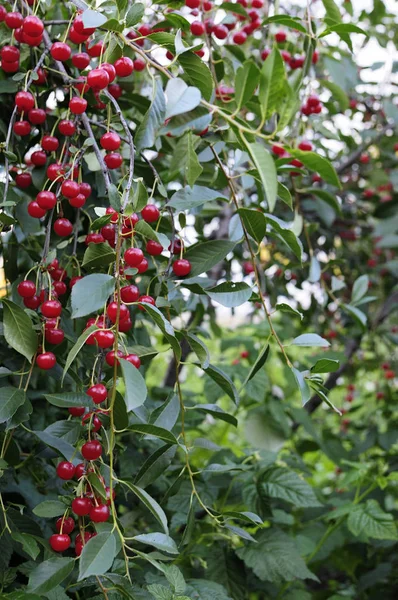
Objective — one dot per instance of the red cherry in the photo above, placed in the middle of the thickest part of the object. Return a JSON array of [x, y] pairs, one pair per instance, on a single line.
[[80, 469], [77, 105], [104, 338], [91, 450], [46, 361], [94, 420], [78, 26], [32, 303], [81, 60], [3, 13], [133, 359], [67, 525], [51, 308], [124, 66], [139, 64], [81, 506], [175, 247], [58, 274], [98, 79], [143, 266], [112, 310], [111, 358], [63, 227], [197, 28], [154, 248], [192, 3], [76, 411], [133, 257], [33, 26], [150, 213], [239, 37], [280, 37], [77, 38], [110, 69], [37, 116], [24, 101], [113, 212], [55, 171], [95, 50], [65, 470], [125, 325], [85, 189], [42, 78], [115, 90], [315, 58], [10, 54], [59, 542], [114, 160], [100, 513], [110, 141], [265, 53], [35, 211], [144, 29], [22, 128], [306, 146], [13, 20], [182, 267], [147, 300], [46, 200], [220, 32], [389, 374], [60, 51], [39, 158], [23, 180], [78, 201], [54, 336], [26, 289], [313, 100], [67, 128], [70, 189], [74, 280], [129, 293]]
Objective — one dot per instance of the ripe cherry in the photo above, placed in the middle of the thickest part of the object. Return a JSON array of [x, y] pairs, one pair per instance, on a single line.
[[111, 358], [9, 54], [78, 201], [67, 525], [60, 51], [80, 470], [59, 542], [154, 248], [13, 20], [35, 211], [114, 160], [98, 79], [24, 101], [150, 213], [85, 189], [51, 308], [37, 116], [182, 267], [67, 128], [32, 303], [143, 266], [133, 359], [39, 158], [33, 26], [220, 32], [3, 13], [70, 189], [147, 300], [139, 64], [125, 325], [77, 38], [197, 28], [46, 361], [23, 180], [65, 470], [81, 506], [306, 146], [91, 420], [27, 289], [46, 199], [76, 411], [78, 26], [100, 513], [115, 90], [95, 50], [133, 257], [104, 339], [91, 450], [112, 310], [110, 69], [54, 336], [10, 67], [77, 105], [63, 227], [60, 288], [239, 38], [110, 141], [192, 3], [129, 293], [124, 66], [81, 60], [280, 37], [55, 171]]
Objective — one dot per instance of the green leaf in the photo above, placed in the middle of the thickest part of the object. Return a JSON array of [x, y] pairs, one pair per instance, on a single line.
[[97, 485], [153, 119], [337, 93], [259, 363], [74, 351], [337, 284], [93, 18], [140, 198], [64, 448], [288, 106], [155, 465], [98, 555], [272, 79], [332, 10], [370, 520], [197, 72], [356, 314], [152, 430], [191, 197], [91, 294], [246, 81], [216, 412], [204, 256], [302, 385], [181, 98], [289, 309], [286, 21], [286, 233], [18, 330], [319, 164], [325, 365], [223, 381], [200, 349], [360, 288], [326, 197], [11, 400], [342, 28], [68, 399], [265, 166], [161, 541], [230, 293], [193, 168], [146, 230], [49, 509], [236, 9], [98, 255], [28, 542], [310, 340], [165, 326], [151, 505], [136, 391], [275, 558], [100, 222], [114, 197], [288, 486], [285, 195], [49, 574], [134, 14], [254, 222]]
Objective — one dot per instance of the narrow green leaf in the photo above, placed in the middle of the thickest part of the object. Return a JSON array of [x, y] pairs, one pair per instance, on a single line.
[[216, 412], [265, 166], [48, 574], [289, 309], [161, 541], [254, 222], [18, 330], [223, 381], [272, 79], [136, 391], [192, 197], [74, 351], [230, 293], [246, 81], [91, 293], [11, 400], [259, 363], [154, 118], [319, 164], [67, 399], [49, 509], [200, 349], [98, 255], [325, 365], [205, 255], [98, 555], [309, 340], [151, 505], [154, 431], [197, 72]]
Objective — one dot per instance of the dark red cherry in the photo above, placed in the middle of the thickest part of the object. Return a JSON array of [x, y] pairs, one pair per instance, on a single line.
[[60, 542], [65, 470]]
